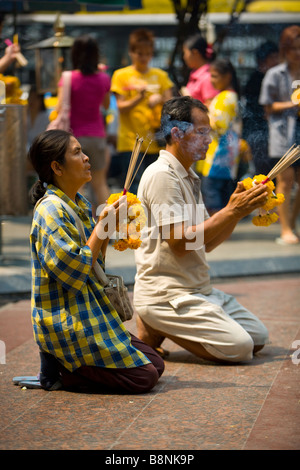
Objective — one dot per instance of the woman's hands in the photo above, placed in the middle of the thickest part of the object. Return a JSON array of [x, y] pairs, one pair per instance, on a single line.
[[108, 221], [107, 224]]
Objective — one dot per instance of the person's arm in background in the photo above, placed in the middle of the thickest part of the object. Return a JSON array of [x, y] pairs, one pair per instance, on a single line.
[[279, 107], [126, 104], [9, 56], [269, 95], [158, 98], [106, 100]]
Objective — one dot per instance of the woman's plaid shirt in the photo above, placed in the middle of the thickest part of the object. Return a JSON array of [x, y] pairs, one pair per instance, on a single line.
[[72, 317]]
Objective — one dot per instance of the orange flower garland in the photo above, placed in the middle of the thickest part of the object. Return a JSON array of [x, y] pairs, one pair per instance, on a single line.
[[13, 89], [128, 235], [265, 218]]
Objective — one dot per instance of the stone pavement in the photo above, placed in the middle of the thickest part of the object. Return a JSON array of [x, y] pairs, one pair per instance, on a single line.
[[196, 405]]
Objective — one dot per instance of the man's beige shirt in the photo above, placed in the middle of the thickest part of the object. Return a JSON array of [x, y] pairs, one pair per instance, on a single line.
[[169, 195]]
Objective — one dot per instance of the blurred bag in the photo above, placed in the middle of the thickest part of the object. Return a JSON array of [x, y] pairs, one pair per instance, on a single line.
[[114, 287], [62, 121], [116, 291]]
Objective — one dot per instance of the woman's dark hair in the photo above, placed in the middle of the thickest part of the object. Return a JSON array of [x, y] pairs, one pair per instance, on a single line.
[[199, 43], [224, 66], [177, 112], [85, 55], [47, 147]]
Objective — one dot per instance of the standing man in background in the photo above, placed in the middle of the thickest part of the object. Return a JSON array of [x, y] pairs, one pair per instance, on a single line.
[[140, 91]]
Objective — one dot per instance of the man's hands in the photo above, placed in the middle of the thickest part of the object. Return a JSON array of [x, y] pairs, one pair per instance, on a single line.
[[242, 202], [219, 226]]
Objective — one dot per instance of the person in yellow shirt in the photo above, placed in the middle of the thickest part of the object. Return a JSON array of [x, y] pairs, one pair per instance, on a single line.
[[140, 91], [220, 168]]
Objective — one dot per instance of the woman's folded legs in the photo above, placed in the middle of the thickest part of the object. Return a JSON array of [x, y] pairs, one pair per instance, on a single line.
[[129, 380]]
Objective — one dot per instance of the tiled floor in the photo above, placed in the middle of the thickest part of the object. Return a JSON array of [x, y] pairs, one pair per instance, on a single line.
[[196, 405]]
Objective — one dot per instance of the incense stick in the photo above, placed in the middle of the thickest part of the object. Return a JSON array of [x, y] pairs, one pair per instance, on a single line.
[[282, 158], [286, 162], [133, 153], [292, 155], [135, 173], [132, 163]]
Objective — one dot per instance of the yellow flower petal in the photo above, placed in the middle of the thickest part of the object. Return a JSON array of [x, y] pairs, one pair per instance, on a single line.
[[265, 220], [272, 201], [136, 220]]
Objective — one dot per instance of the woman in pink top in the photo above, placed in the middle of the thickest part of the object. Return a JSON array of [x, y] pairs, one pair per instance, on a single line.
[[197, 54], [90, 90]]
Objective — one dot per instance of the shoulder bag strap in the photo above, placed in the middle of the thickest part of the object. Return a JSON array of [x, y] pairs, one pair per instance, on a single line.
[[97, 268]]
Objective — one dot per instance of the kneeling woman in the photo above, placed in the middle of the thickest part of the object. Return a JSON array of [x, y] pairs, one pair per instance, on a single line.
[[81, 338]]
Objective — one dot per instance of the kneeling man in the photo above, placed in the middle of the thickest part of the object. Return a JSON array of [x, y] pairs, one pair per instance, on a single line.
[[173, 295]]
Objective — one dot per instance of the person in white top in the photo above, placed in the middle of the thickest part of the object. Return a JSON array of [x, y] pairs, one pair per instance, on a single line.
[[173, 295]]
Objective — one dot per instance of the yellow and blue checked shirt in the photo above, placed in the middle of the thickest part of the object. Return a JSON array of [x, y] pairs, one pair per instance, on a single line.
[[72, 317]]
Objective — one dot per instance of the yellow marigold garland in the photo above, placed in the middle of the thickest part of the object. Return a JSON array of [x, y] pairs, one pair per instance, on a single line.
[[129, 230], [274, 200], [13, 89], [264, 220]]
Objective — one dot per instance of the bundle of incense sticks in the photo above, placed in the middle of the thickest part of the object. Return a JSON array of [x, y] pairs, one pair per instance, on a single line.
[[287, 160], [132, 170]]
